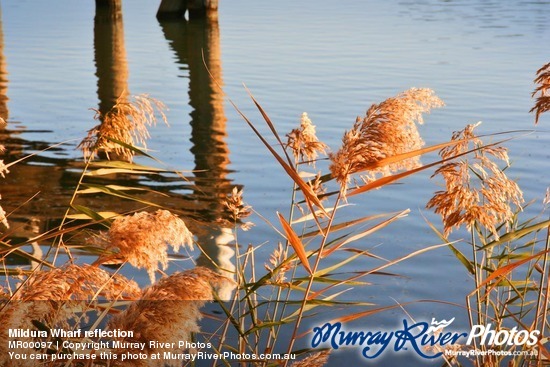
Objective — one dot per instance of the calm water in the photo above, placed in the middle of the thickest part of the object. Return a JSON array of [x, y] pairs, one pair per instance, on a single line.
[[330, 59]]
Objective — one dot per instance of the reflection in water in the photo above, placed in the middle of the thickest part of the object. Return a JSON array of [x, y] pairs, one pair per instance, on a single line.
[[110, 55], [3, 76], [196, 44], [38, 190], [217, 254]]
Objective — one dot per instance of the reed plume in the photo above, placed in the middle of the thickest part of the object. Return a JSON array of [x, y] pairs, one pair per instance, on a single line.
[[388, 129], [3, 217], [142, 239], [54, 297], [123, 126], [319, 359], [476, 190], [3, 167], [303, 142], [277, 265], [76, 282], [542, 103], [237, 209], [317, 186], [169, 311], [3, 171], [235, 205]]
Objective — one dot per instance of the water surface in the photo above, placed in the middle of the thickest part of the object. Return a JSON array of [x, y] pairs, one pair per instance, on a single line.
[[330, 59]]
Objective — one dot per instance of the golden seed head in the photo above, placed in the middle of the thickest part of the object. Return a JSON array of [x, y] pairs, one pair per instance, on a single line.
[[542, 103], [237, 209], [276, 266], [476, 189], [55, 297], [304, 143], [169, 310], [319, 359], [3, 218], [317, 186], [3, 167], [142, 239], [77, 283], [546, 199], [126, 122], [387, 129]]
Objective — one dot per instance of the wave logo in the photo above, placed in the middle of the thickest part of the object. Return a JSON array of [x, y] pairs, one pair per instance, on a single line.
[[438, 326]]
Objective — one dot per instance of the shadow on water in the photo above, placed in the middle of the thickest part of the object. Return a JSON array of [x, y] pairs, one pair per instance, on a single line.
[[37, 191]]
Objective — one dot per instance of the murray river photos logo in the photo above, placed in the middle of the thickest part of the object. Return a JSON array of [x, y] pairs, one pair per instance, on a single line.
[[426, 340]]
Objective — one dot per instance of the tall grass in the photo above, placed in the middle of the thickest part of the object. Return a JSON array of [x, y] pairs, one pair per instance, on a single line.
[[265, 308]]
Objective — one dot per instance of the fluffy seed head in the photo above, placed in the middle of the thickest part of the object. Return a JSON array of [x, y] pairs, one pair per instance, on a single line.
[[51, 297], [303, 141], [319, 359], [3, 218], [387, 129], [3, 167], [476, 189], [142, 239], [237, 210], [276, 266], [169, 310], [77, 283], [126, 122], [542, 103]]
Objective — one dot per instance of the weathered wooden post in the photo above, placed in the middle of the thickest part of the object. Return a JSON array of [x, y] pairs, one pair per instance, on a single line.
[[174, 9], [202, 8], [114, 4]]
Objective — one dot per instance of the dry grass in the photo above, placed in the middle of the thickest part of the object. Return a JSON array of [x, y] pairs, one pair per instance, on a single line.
[[476, 190], [142, 239], [75, 282], [3, 171], [477, 194], [127, 123], [387, 129], [236, 207], [319, 359], [55, 297], [169, 311], [303, 142], [3, 167], [277, 265], [3, 218], [542, 104]]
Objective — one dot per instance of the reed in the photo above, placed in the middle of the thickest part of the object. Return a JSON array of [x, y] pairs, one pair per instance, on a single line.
[[302, 276], [141, 239], [299, 270], [542, 103], [388, 129], [3, 171], [168, 312], [509, 255], [122, 127]]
